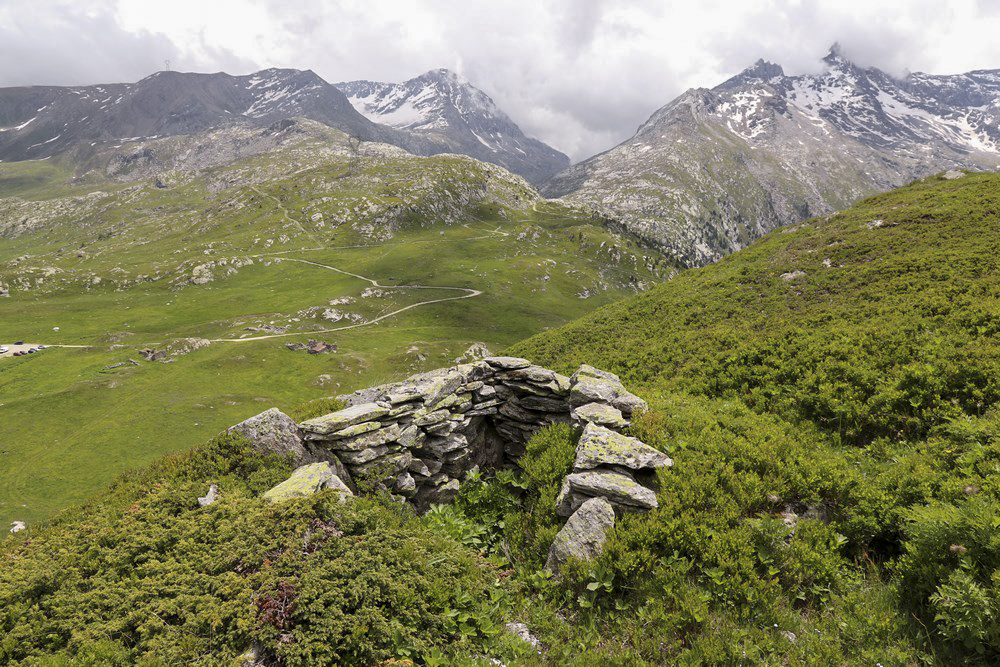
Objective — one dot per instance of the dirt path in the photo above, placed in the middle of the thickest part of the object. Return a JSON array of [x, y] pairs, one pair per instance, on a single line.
[[468, 294]]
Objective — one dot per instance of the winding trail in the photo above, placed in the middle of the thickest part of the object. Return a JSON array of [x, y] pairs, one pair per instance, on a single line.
[[468, 294]]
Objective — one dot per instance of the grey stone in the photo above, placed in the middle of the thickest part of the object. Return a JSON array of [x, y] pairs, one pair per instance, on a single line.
[[210, 497], [601, 414], [390, 465], [620, 489], [364, 456], [544, 404], [419, 467], [305, 481], [521, 631], [17, 527], [507, 363], [430, 418], [357, 429], [447, 492], [412, 437], [441, 446], [584, 534], [272, 431], [341, 419], [390, 433], [952, 174], [405, 485], [600, 446]]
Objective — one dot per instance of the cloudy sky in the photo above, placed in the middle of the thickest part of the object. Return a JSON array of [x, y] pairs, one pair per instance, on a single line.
[[579, 74]]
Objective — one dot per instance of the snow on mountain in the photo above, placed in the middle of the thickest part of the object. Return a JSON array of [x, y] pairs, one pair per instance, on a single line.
[[440, 103], [714, 169]]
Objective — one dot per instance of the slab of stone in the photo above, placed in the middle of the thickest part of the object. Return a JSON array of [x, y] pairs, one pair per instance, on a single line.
[[358, 443], [544, 404], [272, 431], [393, 464], [337, 421], [601, 446], [429, 418], [365, 455], [618, 488], [438, 447], [412, 437], [586, 389], [357, 429], [305, 481], [584, 534], [600, 414], [507, 363]]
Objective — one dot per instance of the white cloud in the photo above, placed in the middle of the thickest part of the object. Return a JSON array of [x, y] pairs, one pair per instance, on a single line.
[[579, 74]]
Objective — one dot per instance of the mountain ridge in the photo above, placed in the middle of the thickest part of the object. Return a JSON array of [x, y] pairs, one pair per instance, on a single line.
[[439, 102], [716, 168]]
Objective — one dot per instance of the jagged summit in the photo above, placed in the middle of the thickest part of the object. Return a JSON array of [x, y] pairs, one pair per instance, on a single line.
[[437, 112], [716, 168], [442, 103]]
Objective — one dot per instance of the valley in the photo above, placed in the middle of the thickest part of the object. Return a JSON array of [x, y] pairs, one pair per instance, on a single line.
[[400, 274]]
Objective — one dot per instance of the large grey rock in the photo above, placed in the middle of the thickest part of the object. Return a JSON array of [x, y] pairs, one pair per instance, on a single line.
[[305, 481], [620, 489], [273, 432], [364, 441], [600, 414], [590, 385], [336, 421], [584, 534], [600, 446], [507, 363], [17, 527]]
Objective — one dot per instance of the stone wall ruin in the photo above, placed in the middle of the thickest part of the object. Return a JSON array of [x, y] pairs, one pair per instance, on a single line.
[[418, 438]]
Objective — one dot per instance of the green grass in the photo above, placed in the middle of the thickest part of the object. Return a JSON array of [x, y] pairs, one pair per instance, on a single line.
[[69, 424]]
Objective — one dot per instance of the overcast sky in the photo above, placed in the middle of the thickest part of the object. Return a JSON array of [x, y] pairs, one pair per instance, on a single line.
[[580, 75]]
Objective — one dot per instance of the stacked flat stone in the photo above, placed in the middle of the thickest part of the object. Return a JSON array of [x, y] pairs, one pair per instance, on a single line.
[[420, 436]]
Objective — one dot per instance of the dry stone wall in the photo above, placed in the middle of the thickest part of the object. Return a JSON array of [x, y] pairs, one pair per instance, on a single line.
[[420, 436]]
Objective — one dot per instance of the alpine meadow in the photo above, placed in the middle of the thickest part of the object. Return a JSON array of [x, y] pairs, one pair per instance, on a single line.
[[303, 374]]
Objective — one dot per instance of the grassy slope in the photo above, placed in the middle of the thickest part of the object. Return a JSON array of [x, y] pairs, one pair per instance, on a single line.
[[69, 424], [784, 535], [879, 321]]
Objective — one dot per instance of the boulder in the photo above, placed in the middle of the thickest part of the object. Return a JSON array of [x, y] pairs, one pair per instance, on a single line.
[[584, 534], [620, 489], [600, 414], [590, 385], [17, 527], [305, 481], [272, 431], [600, 446]]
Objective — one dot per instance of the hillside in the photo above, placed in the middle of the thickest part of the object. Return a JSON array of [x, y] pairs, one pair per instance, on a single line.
[[181, 268], [828, 396], [717, 168]]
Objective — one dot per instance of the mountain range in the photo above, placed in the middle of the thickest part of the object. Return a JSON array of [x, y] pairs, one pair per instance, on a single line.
[[40, 122], [716, 168]]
